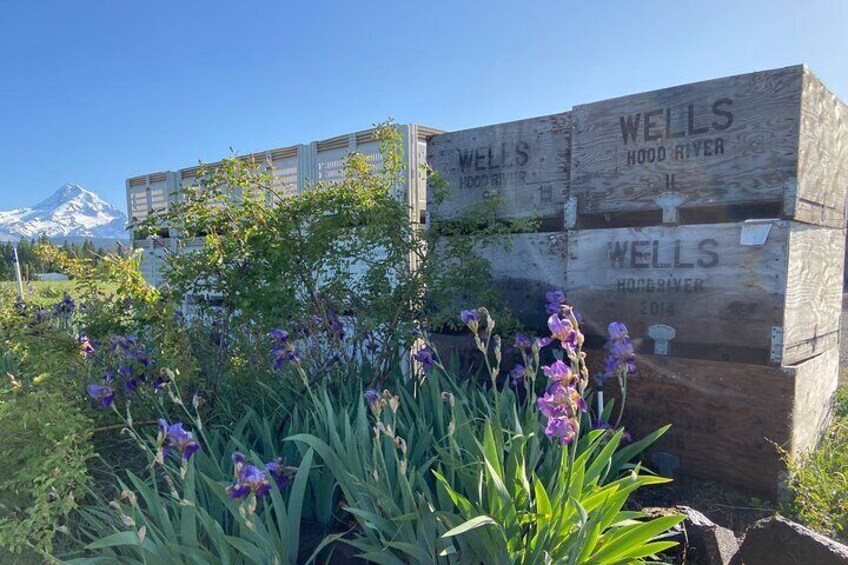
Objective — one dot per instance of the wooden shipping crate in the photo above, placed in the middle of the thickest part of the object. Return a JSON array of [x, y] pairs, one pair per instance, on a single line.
[[765, 144], [764, 291], [729, 420], [525, 163]]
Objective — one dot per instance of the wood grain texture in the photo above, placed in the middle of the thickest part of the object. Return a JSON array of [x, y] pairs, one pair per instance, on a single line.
[[813, 301], [716, 159], [822, 156], [727, 417], [524, 267], [526, 163], [815, 382], [721, 297]]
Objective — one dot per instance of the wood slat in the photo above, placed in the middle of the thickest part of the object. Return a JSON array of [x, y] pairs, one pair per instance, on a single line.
[[526, 163], [721, 297], [725, 417], [719, 142], [822, 157], [813, 298]]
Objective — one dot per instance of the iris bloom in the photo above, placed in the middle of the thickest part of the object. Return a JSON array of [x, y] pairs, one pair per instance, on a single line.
[[177, 438], [102, 393], [425, 357], [66, 306], [85, 347], [518, 373], [563, 330], [279, 335], [282, 350], [559, 372], [248, 479], [621, 358], [279, 472], [372, 397], [469, 316], [562, 429]]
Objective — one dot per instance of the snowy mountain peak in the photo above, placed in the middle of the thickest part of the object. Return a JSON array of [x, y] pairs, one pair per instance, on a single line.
[[66, 192], [71, 211]]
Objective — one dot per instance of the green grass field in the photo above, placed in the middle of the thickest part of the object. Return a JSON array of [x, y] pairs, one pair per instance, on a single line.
[[40, 292]]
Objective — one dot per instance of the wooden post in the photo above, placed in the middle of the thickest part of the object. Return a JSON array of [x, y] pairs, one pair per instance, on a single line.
[[18, 273]]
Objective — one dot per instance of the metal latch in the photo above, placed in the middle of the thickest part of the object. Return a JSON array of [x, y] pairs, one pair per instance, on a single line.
[[669, 202], [776, 353], [755, 232], [571, 212], [661, 334]]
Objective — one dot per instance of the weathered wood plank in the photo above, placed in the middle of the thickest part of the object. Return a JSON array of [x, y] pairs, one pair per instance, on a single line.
[[719, 142], [524, 267], [815, 382], [721, 297], [822, 156], [813, 300], [726, 418], [526, 163]]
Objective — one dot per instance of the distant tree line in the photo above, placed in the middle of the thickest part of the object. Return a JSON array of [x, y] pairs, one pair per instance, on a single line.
[[32, 264]]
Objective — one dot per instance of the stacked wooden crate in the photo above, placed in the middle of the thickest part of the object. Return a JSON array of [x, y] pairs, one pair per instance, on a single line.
[[710, 219]]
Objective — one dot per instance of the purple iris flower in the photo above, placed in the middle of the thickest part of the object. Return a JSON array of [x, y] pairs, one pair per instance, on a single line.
[[283, 354], [102, 393], [248, 478], [518, 373], [620, 356], [558, 371], [177, 438], [562, 429], [278, 472], [372, 396], [523, 343], [86, 347], [617, 331], [554, 299], [563, 330], [425, 357], [279, 335], [66, 306], [469, 316]]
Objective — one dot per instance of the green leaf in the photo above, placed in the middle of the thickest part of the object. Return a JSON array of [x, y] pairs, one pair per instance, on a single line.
[[630, 540], [295, 505], [116, 540], [469, 525]]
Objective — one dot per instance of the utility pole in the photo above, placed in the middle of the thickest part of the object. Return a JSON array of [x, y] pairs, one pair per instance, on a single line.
[[18, 272]]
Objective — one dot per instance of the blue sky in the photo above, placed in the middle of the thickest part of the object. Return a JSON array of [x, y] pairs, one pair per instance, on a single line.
[[95, 92]]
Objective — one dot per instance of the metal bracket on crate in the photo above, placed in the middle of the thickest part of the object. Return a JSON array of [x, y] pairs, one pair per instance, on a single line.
[[670, 202], [661, 334], [776, 352], [755, 232], [570, 212]]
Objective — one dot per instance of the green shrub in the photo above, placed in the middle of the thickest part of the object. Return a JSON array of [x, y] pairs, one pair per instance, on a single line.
[[819, 479], [43, 456]]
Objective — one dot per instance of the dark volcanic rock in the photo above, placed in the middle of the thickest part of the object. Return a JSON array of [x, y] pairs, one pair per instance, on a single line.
[[778, 541]]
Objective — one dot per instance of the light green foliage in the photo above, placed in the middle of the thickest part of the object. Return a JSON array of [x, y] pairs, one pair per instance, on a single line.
[[574, 516], [43, 456], [279, 259], [181, 513], [501, 500], [819, 479]]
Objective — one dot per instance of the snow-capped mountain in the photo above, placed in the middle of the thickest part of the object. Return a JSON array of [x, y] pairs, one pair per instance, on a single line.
[[71, 212]]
